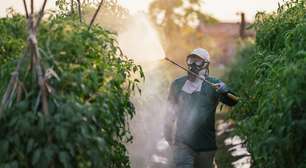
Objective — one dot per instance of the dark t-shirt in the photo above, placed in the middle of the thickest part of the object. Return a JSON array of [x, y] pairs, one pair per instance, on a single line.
[[195, 114]]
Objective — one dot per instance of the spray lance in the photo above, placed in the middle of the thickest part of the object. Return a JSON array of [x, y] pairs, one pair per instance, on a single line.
[[231, 96]]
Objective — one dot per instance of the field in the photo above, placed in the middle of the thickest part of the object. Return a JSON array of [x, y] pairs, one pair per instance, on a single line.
[[83, 88]]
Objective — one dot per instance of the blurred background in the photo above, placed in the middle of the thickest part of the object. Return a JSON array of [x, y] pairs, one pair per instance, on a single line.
[[182, 24]]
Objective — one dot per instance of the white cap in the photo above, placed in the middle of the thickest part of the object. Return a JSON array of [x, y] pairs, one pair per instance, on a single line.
[[201, 53]]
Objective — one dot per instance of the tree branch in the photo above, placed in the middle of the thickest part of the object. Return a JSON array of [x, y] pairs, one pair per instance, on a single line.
[[25, 8], [95, 15]]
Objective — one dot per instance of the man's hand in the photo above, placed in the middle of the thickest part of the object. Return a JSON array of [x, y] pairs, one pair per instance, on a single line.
[[221, 88]]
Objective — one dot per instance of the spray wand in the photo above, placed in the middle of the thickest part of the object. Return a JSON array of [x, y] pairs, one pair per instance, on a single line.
[[231, 96]]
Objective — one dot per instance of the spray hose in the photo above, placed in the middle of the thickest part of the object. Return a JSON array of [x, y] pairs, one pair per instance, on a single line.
[[231, 96]]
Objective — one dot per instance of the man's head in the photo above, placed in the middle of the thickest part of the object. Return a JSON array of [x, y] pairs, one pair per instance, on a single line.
[[198, 62]]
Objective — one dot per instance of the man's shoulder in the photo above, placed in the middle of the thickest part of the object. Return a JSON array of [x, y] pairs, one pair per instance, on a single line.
[[213, 79], [177, 84], [180, 80]]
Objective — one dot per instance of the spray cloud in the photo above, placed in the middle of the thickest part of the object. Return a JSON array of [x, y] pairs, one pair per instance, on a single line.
[[140, 42]]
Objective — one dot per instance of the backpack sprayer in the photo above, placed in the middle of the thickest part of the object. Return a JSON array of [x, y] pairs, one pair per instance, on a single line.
[[231, 96]]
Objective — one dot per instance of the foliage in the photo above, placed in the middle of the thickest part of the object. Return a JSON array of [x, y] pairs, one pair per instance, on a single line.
[[12, 39], [178, 22], [89, 86], [178, 13], [112, 17], [270, 76]]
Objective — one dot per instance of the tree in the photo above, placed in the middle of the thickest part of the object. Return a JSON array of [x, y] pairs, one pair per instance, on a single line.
[[177, 20], [113, 16]]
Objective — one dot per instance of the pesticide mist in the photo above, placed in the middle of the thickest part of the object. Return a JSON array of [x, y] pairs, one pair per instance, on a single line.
[[140, 42]]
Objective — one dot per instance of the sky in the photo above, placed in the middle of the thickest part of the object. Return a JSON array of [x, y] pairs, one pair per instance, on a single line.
[[224, 10]]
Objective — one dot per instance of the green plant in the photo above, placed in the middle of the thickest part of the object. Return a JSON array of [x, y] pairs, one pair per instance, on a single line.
[[88, 86], [270, 76]]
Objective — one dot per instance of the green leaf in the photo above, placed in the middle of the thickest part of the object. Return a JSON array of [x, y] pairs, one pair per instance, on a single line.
[[49, 153], [30, 145], [36, 156], [64, 159], [4, 147]]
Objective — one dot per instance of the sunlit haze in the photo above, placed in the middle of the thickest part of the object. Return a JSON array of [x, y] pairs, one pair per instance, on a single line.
[[224, 10]]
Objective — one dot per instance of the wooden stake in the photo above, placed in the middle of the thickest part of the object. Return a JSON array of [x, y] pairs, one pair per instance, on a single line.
[[41, 14], [95, 15], [72, 6], [25, 8], [32, 7], [79, 9]]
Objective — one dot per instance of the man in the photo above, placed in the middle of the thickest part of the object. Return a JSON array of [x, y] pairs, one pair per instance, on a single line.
[[192, 107]]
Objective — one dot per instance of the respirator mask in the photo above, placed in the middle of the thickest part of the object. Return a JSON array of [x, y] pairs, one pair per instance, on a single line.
[[199, 67]]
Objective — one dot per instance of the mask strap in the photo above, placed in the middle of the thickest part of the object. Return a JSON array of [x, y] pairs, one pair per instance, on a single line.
[[207, 71]]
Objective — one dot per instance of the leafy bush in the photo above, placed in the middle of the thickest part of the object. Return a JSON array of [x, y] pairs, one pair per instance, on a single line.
[[89, 86], [270, 76]]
